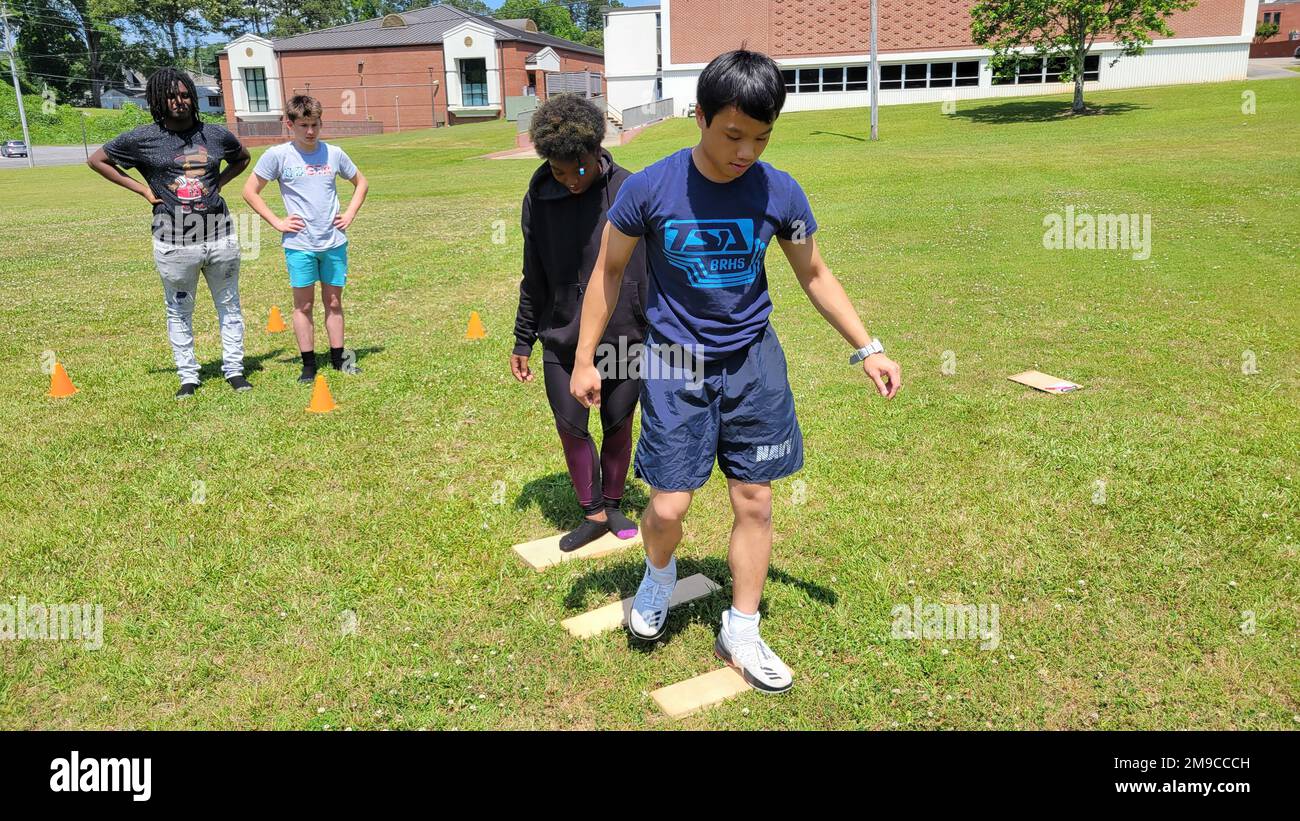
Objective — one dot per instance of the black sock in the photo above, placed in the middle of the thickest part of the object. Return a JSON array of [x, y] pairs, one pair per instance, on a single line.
[[336, 358], [308, 360], [618, 524], [585, 533]]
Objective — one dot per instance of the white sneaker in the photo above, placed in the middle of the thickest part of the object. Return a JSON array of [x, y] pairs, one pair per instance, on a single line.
[[649, 617], [752, 658]]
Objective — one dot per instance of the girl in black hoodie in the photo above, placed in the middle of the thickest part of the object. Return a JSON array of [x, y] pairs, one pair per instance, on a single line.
[[563, 219]]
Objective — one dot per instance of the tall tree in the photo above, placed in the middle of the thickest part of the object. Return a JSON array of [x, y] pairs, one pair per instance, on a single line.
[[176, 20], [49, 46], [1067, 29], [310, 15], [474, 6], [590, 15], [236, 17], [87, 22], [550, 17]]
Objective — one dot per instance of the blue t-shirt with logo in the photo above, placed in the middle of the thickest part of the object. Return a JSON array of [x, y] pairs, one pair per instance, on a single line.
[[705, 244]]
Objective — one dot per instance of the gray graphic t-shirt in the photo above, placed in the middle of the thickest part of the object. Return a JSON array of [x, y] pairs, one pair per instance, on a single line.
[[182, 168], [308, 189]]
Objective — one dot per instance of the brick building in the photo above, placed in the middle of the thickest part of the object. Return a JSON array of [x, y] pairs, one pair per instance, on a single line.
[[926, 51], [1286, 43], [427, 67]]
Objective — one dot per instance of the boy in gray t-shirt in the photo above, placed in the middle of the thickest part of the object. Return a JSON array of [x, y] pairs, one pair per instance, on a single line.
[[314, 232]]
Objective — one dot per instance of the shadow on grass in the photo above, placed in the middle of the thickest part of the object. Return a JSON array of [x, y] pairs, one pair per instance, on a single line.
[[1037, 111], [361, 353], [837, 134], [212, 369], [554, 495], [623, 579], [253, 362]]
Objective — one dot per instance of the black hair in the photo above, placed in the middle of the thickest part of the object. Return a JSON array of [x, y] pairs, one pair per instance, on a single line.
[[749, 80], [161, 83], [566, 127]]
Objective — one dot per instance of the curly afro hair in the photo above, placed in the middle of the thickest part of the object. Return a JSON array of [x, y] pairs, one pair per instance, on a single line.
[[566, 127]]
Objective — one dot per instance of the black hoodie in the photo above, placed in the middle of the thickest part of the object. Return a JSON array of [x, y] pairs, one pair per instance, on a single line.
[[561, 242]]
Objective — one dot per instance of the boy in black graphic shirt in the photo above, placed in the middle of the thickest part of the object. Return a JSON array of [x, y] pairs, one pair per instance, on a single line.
[[180, 158]]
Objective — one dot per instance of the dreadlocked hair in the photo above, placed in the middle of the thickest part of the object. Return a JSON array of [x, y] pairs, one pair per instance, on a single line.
[[161, 83]]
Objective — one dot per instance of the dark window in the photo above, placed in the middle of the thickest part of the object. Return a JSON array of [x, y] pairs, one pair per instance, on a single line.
[[473, 82], [214, 101], [859, 78], [808, 79], [255, 86], [1056, 66], [1092, 67], [1004, 73], [914, 75], [1029, 70], [891, 76], [940, 74], [968, 73], [788, 75], [833, 79]]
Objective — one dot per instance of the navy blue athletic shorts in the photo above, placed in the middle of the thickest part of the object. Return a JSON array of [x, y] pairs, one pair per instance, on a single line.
[[738, 410]]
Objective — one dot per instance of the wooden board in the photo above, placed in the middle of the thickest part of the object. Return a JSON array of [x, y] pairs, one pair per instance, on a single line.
[[613, 616], [544, 553], [1044, 382], [685, 697]]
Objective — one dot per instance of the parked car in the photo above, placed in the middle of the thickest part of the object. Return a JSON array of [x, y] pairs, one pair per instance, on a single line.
[[13, 148]]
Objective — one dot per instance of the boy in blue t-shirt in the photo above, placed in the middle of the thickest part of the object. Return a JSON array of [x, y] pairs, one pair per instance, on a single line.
[[714, 380], [314, 234]]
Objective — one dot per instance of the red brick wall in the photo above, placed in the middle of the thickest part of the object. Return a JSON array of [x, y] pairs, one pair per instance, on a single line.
[[703, 29], [227, 88], [1278, 45], [402, 73], [516, 73]]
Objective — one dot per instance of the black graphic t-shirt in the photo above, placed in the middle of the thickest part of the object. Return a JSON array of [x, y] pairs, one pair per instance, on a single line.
[[182, 169]]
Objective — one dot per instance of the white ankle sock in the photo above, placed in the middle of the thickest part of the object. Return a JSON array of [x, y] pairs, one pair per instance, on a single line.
[[740, 622], [667, 575]]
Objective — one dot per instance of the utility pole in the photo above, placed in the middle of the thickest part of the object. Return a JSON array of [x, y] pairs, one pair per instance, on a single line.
[[18, 89], [875, 78]]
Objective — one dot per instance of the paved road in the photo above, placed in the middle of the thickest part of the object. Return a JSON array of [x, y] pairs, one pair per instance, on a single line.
[[1271, 68], [50, 155]]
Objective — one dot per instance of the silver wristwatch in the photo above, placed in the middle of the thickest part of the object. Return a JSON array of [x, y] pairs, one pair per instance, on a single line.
[[865, 351]]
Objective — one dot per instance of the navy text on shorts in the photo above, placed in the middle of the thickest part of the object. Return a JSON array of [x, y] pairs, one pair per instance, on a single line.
[[738, 410]]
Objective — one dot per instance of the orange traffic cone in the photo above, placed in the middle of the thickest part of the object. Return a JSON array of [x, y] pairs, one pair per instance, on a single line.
[[275, 324], [321, 400], [60, 384], [475, 329]]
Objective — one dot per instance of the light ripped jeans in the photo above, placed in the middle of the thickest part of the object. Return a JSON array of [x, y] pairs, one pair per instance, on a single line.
[[179, 266]]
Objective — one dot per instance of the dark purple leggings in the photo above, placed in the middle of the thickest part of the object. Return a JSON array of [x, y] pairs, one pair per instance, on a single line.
[[597, 480]]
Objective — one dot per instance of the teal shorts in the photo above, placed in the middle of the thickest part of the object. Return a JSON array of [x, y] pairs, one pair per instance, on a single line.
[[306, 268]]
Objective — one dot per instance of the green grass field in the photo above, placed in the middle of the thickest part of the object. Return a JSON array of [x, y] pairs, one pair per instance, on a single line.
[[967, 488]]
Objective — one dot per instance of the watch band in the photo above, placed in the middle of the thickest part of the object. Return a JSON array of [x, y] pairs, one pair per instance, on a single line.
[[862, 353]]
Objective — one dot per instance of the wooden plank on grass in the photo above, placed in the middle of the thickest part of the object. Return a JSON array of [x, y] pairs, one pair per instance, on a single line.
[[685, 697], [1044, 382], [613, 616], [544, 553]]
